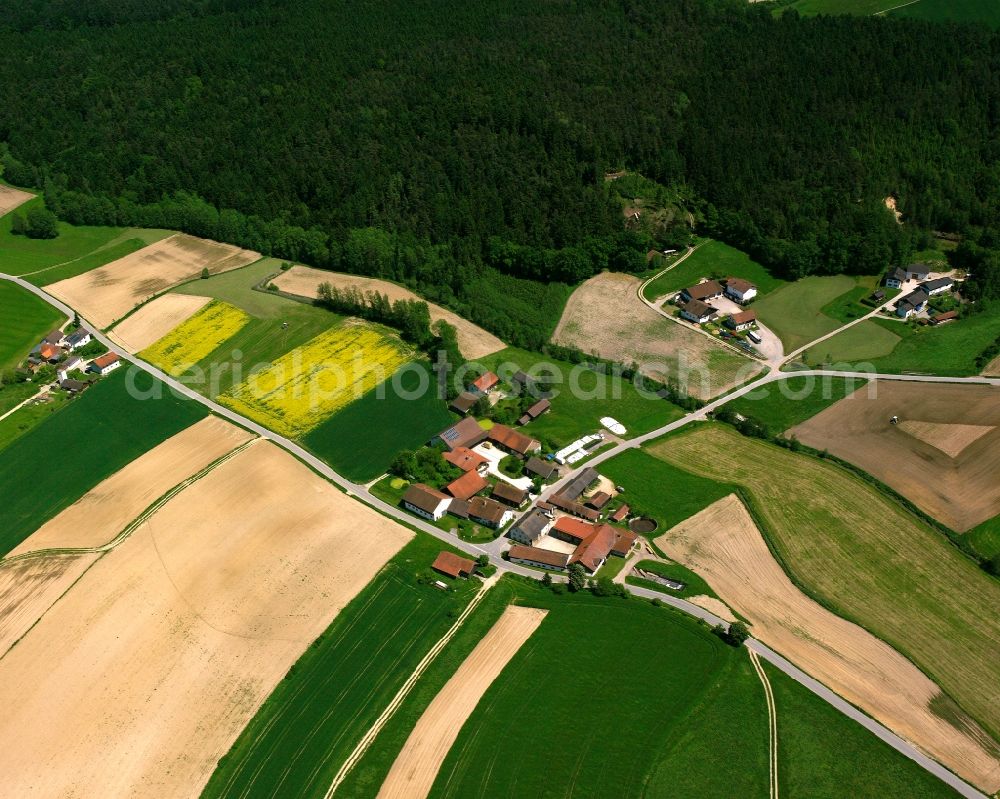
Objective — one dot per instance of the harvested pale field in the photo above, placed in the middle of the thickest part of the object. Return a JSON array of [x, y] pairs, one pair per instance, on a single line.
[[106, 510], [11, 198], [713, 605], [944, 455], [865, 558], [473, 341], [29, 587], [155, 319], [106, 294], [140, 679], [606, 317], [724, 546], [416, 766], [993, 368]]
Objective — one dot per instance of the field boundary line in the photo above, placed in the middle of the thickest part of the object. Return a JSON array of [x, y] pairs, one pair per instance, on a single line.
[[772, 722], [139, 520], [390, 710]]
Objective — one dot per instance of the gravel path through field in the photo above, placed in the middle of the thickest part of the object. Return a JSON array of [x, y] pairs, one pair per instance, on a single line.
[[772, 721]]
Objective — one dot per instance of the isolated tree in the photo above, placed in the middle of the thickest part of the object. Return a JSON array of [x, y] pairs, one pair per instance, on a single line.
[[735, 635], [547, 580], [42, 224], [577, 578], [483, 561], [204, 273]]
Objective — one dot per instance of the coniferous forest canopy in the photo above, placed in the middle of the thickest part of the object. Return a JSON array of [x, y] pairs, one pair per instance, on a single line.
[[461, 147]]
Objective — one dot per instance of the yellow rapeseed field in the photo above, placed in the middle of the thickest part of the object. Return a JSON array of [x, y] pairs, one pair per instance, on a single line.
[[314, 381], [190, 341]]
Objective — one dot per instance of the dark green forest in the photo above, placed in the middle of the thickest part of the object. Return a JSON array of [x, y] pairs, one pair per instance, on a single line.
[[462, 147]]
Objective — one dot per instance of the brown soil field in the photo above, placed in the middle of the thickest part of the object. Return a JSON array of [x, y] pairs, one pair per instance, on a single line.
[[104, 511], [11, 198], [106, 294], [29, 587], [141, 678], [304, 281], [155, 319], [605, 316], [416, 766], [863, 556], [723, 545], [944, 455]]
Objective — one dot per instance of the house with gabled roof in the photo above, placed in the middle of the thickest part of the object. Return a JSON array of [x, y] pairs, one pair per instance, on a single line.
[[484, 383], [707, 290], [466, 459], [426, 501], [467, 486], [531, 526], [741, 321], [698, 312], [452, 565], [512, 441], [489, 512], [464, 433], [509, 495], [740, 290], [537, 557]]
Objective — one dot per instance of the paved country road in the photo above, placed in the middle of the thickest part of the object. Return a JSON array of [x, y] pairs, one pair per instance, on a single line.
[[362, 493]]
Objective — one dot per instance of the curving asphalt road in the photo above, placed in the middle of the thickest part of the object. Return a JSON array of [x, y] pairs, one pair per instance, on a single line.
[[362, 493]]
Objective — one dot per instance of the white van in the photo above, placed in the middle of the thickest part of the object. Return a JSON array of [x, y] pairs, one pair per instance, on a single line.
[[754, 337]]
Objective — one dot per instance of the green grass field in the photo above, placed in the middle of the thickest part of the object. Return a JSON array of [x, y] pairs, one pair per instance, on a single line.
[[361, 440], [584, 398], [985, 538], [984, 11], [30, 416], [865, 558], [794, 312], [949, 349], [694, 585], [713, 259], [865, 341], [25, 319], [237, 288], [128, 242], [300, 736], [792, 401], [57, 462], [660, 490]]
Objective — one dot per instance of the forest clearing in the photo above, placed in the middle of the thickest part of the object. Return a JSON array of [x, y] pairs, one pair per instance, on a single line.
[[160, 655], [473, 341], [106, 294], [944, 455], [723, 545], [154, 320]]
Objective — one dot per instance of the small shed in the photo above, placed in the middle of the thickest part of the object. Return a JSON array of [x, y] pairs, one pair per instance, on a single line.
[[451, 565]]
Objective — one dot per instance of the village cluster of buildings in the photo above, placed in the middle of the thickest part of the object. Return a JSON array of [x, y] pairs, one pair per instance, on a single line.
[[59, 348], [695, 305], [917, 301], [574, 525]]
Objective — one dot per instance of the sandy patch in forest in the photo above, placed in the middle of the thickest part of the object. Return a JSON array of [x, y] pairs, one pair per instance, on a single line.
[[104, 511], [723, 545], [11, 198], [144, 675], [155, 319], [28, 588], [944, 455], [106, 294], [416, 766], [606, 317], [304, 281]]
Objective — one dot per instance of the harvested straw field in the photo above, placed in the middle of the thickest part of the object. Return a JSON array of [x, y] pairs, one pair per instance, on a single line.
[[165, 649], [312, 382], [196, 338], [29, 587], [606, 317], [113, 503], [413, 772], [11, 198], [944, 455], [108, 293], [155, 319], [865, 558], [473, 341], [993, 368], [724, 546]]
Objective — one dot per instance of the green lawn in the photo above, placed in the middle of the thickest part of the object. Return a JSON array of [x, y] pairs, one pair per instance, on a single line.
[[361, 440], [658, 489], [54, 464], [985, 538], [14, 393], [30, 416], [694, 585], [783, 405], [849, 306], [865, 341], [949, 349], [237, 288], [24, 319], [794, 312], [300, 736], [713, 259], [584, 398]]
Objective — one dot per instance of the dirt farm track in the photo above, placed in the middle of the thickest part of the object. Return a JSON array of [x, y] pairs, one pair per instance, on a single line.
[[944, 455], [139, 679]]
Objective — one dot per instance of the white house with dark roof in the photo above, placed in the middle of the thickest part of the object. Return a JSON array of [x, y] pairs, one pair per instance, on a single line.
[[938, 286], [740, 290], [426, 501], [698, 312]]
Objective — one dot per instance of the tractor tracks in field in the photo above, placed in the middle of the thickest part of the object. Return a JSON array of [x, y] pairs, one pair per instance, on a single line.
[[772, 723]]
